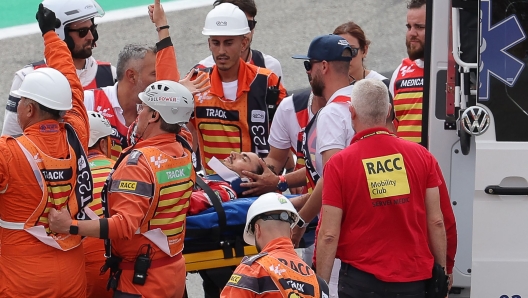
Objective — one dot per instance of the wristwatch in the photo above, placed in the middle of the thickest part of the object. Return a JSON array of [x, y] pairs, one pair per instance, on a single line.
[[301, 223], [282, 185], [74, 228]]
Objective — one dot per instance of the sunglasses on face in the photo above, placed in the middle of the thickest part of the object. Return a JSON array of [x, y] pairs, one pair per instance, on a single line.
[[309, 64], [84, 31], [252, 24], [355, 52]]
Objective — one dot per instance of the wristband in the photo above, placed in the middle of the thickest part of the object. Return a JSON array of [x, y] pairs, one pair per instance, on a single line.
[[74, 227], [282, 185], [162, 27]]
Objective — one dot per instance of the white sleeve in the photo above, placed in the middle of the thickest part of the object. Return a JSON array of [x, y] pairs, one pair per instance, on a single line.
[[283, 124], [332, 128], [11, 126], [114, 73], [393, 80], [274, 65], [89, 100]]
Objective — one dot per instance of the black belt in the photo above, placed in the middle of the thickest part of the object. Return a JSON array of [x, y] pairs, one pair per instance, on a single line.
[[362, 278]]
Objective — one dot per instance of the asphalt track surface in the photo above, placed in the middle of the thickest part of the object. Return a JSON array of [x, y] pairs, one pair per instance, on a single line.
[[285, 28]]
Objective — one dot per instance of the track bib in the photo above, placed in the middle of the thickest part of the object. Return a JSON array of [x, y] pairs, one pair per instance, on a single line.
[[386, 176], [220, 139]]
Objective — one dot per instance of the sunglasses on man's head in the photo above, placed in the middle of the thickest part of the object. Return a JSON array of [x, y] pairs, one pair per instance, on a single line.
[[84, 31], [252, 24]]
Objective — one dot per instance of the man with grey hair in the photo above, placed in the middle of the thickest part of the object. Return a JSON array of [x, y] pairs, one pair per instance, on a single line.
[[136, 69], [388, 206]]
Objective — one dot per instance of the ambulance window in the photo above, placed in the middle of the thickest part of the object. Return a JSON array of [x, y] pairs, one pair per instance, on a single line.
[[505, 92]]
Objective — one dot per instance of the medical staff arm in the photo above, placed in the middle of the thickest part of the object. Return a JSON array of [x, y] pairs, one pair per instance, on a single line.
[[277, 159], [267, 182], [309, 211], [435, 226]]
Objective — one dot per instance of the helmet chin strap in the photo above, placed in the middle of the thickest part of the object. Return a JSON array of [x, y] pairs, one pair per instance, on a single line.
[[108, 146]]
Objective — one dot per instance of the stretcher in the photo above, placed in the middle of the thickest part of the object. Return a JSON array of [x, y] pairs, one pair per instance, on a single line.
[[213, 237]]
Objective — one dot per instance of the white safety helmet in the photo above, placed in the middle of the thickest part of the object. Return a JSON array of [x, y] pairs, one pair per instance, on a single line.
[[172, 100], [267, 203], [99, 127], [69, 11], [47, 86], [226, 19]]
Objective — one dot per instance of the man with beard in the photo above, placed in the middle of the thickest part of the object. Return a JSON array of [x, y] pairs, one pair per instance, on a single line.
[[249, 55], [406, 84], [226, 183], [79, 31], [276, 271], [234, 114]]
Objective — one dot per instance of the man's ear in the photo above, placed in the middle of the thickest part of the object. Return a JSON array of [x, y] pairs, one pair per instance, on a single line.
[[31, 109], [353, 113], [209, 43], [155, 117], [245, 43], [131, 76]]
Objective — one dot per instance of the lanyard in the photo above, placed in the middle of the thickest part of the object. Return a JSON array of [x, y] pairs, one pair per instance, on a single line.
[[379, 132]]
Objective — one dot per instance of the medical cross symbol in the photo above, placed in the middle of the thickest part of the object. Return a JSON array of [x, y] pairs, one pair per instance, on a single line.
[[157, 161], [277, 269], [494, 59]]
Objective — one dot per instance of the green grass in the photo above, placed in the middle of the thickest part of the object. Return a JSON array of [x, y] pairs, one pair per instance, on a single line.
[[21, 12]]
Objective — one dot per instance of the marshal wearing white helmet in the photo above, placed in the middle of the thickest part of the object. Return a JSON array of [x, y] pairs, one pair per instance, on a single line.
[[158, 167], [75, 25], [43, 169], [276, 271]]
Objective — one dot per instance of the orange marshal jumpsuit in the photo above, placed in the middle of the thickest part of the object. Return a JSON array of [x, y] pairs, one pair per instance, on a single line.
[[94, 250], [275, 272], [241, 125], [28, 266], [148, 199]]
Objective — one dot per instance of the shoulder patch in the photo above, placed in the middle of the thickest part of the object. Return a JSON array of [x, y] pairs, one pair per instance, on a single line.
[[133, 158], [257, 285], [133, 187], [250, 260]]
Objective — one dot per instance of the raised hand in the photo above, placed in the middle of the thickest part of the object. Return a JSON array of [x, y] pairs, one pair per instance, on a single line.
[[157, 14], [46, 19]]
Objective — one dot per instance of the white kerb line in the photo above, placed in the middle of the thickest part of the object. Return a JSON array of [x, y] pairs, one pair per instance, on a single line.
[[110, 16]]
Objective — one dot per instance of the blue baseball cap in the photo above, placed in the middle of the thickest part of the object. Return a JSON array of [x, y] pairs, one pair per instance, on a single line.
[[327, 47]]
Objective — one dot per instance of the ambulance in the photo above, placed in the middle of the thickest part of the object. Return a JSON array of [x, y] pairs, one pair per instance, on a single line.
[[476, 124]]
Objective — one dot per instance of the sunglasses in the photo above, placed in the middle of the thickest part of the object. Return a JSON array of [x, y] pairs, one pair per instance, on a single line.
[[355, 52], [252, 24], [309, 64], [84, 31]]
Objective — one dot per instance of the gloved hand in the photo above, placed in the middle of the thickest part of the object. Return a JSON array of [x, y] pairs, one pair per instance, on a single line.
[[46, 19]]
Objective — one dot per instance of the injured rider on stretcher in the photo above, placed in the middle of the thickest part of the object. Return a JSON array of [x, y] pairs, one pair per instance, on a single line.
[[226, 183]]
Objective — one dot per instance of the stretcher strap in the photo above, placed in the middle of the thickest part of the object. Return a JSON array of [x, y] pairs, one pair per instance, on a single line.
[[217, 203], [11, 225]]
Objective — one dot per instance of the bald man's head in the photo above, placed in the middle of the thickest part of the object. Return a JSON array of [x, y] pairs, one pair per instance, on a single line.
[[268, 230]]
